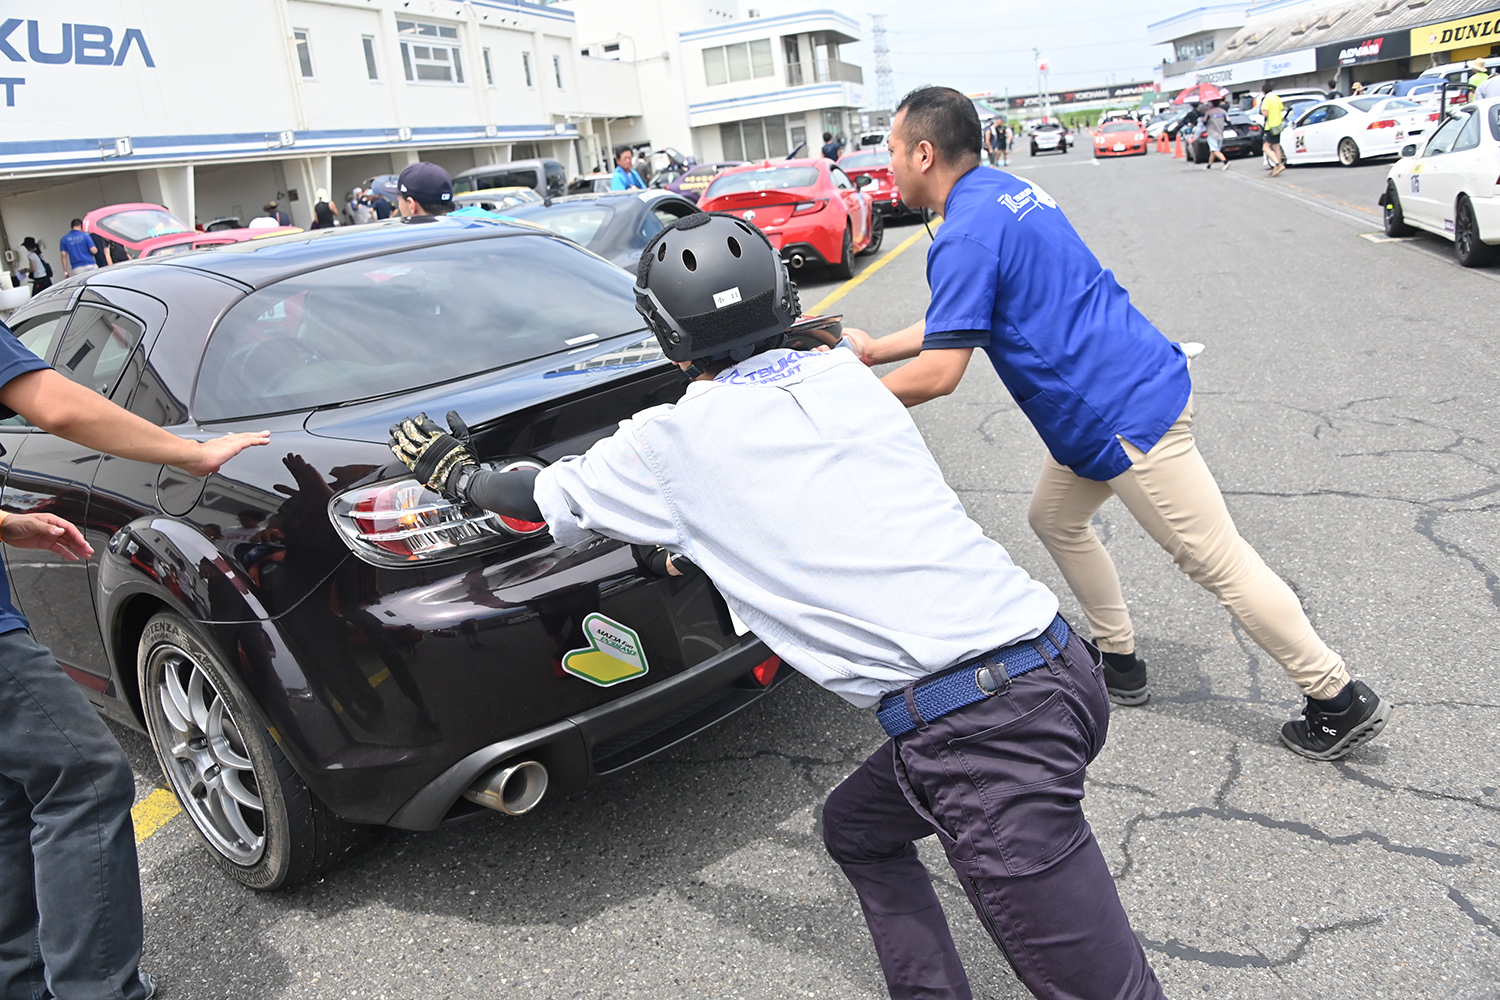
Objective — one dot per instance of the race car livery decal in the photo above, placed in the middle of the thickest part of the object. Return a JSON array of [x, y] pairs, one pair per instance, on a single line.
[[614, 653], [1416, 184], [1301, 143]]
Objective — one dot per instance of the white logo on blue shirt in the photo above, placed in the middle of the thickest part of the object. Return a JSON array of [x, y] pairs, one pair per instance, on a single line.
[[1022, 204]]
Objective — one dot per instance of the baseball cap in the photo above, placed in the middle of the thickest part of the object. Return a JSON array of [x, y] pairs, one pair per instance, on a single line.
[[426, 184]]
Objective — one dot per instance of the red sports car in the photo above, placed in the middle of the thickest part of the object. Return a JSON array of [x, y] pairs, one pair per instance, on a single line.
[[876, 164], [811, 210], [1120, 138]]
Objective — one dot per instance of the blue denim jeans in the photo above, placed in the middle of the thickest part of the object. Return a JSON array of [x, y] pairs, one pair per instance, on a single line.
[[1001, 784], [70, 893]]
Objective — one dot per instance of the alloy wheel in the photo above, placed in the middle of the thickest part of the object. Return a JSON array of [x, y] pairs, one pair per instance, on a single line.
[[1348, 153], [205, 756]]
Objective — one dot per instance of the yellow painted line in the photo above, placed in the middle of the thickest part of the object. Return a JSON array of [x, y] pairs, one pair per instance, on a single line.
[[859, 278], [152, 813], [380, 678]]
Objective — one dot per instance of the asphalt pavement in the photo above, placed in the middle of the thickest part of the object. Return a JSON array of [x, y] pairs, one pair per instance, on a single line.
[[1346, 402]]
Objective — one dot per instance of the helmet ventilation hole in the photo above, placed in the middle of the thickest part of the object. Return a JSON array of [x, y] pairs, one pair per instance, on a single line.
[[734, 246], [689, 260], [746, 228], [661, 253]]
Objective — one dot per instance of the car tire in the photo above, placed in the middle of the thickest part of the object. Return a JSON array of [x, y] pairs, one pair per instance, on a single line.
[[260, 822], [1349, 152], [877, 235], [1033, 149], [1467, 246], [844, 267], [1394, 222]]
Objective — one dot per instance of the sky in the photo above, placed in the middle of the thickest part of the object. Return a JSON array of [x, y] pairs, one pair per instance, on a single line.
[[987, 45]]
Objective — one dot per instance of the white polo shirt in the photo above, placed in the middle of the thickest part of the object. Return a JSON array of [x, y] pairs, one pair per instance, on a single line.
[[800, 485]]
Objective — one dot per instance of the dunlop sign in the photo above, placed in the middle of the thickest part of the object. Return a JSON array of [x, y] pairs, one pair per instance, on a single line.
[[1465, 32]]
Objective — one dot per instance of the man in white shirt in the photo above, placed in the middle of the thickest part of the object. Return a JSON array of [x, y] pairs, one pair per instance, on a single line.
[[895, 601]]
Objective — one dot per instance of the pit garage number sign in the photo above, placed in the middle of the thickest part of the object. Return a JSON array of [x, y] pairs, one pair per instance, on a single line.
[[614, 653]]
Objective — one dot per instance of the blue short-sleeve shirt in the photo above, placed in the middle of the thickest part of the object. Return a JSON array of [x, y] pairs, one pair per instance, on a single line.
[[624, 180], [79, 247], [1009, 274], [14, 360]]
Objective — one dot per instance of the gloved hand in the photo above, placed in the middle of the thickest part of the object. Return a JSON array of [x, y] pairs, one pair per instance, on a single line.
[[437, 458], [659, 562]]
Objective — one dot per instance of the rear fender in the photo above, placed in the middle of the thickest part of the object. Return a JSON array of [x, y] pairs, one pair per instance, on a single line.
[[160, 563]]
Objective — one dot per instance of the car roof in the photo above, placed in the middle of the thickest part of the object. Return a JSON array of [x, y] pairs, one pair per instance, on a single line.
[[257, 263], [497, 167], [636, 194]]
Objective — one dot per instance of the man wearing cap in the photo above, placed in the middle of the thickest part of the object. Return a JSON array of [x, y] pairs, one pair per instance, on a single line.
[[273, 211], [424, 189]]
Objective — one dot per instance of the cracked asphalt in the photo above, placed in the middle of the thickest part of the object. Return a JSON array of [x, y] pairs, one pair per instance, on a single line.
[[1347, 404]]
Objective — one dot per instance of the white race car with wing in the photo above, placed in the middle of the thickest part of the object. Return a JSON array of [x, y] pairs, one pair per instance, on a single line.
[[1451, 185], [1354, 128]]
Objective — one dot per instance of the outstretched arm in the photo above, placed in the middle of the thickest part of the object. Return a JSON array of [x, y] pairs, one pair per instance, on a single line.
[[930, 375], [68, 410]]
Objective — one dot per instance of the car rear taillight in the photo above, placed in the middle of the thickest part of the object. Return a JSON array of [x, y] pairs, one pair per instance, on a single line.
[[804, 207], [1383, 123], [1434, 117], [401, 522], [765, 672]]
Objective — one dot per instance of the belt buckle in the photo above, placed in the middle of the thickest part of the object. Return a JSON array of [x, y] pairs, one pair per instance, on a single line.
[[987, 669]]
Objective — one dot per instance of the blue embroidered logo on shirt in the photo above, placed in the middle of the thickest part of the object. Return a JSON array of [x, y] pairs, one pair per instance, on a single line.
[[783, 368]]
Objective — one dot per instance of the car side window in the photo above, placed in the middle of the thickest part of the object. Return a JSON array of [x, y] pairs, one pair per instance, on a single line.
[[1315, 117], [96, 345], [653, 223], [1468, 136], [841, 180], [1495, 122], [1442, 140], [1335, 112], [39, 336], [672, 211]]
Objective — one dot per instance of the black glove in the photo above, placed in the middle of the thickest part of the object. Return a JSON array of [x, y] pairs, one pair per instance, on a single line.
[[438, 459], [655, 560]]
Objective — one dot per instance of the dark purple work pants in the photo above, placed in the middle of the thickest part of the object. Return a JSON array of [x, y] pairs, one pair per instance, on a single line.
[[1001, 784]]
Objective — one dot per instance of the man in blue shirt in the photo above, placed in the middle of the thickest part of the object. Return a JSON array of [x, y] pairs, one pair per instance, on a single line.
[[79, 253], [1111, 398], [831, 147], [70, 896], [625, 177]]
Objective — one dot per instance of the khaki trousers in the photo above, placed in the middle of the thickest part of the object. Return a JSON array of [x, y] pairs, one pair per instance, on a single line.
[[1171, 494]]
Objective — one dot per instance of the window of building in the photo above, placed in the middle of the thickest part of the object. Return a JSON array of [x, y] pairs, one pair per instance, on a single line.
[[429, 52], [304, 52], [754, 139], [489, 70], [742, 61], [557, 71], [526, 67], [370, 70]]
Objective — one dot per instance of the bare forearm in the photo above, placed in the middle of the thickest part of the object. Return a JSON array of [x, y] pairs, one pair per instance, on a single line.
[[898, 346], [68, 410], [930, 375]]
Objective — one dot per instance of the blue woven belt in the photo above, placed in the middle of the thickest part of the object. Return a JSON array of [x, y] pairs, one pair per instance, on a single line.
[[959, 686]]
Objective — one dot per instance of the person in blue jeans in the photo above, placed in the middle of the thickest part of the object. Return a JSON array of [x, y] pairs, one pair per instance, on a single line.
[[79, 252], [70, 894], [625, 177], [897, 602]]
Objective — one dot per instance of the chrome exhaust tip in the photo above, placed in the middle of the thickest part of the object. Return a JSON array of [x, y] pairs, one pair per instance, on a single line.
[[513, 789], [797, 261]]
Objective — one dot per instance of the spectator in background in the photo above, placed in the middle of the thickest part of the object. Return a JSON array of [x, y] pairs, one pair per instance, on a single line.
[[360, 211], [36, 266], [1480, 76], [1333, 90], [1214, 120], [831, 147], [625, 178], [1357, 89], [378, 205], [79, 254], [1490, 88], [424, 189], [273, 211], [323, 214], [1274, 110]]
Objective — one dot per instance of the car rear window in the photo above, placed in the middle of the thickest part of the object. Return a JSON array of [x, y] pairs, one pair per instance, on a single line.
[[864, 161], [142, 224], [524, 177], [405, 320], [765, 179], [578, 222]]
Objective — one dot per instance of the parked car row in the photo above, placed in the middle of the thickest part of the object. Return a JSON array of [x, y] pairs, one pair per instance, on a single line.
[[1449, 185]]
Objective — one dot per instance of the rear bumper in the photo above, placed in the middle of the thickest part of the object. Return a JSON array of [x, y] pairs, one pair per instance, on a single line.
[[1487, 215], [809, 253], [597, 742]]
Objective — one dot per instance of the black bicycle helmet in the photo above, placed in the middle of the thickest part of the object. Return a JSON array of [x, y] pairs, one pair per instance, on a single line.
[[711, 286]]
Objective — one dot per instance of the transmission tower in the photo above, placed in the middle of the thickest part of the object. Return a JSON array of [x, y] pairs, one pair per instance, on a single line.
[[885, 91]]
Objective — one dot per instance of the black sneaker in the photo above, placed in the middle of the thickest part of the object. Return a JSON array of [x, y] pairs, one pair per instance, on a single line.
[[1324, 735], [1125, 679]]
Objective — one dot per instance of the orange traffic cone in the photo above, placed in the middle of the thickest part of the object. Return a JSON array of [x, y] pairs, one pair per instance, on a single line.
[[1161, 141], [1177, 147]]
